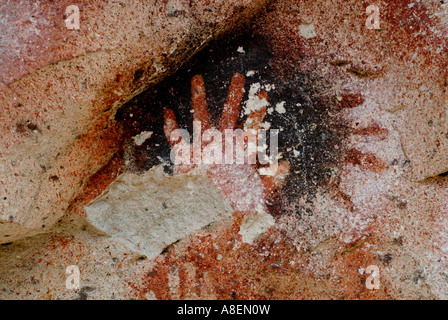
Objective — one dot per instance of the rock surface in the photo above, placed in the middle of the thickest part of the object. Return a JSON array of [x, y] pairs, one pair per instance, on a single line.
[[60, 89]]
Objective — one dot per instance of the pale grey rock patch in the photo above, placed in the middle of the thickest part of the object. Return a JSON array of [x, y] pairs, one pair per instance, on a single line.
[[149, 212]]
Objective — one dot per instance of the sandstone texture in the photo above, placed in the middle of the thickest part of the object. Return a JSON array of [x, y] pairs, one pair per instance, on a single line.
[[362, 119], [60, 89]]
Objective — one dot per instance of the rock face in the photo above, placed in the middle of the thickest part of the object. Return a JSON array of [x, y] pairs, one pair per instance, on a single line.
[[361, 114], [60, 89]]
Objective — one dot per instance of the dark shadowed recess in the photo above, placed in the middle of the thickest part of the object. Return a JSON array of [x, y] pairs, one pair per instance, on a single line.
[[308, 131]]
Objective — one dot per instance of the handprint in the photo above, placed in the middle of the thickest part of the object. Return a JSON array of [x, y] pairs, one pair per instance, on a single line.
[[241, 183]]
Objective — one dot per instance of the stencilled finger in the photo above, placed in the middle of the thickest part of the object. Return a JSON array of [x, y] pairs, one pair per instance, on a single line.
[[169, 125], [181, 152], [231, 109], [199, 102]]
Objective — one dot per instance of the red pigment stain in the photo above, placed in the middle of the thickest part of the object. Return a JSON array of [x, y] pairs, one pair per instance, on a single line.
[[97, 184], [365, 160], [219, 266], [210, 266]]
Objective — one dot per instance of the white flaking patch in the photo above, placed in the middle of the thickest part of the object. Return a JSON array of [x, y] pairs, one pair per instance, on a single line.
[[280, 107], [254, 103], [296, 153], [254, 225], [265, 125], [250, 73], [142, 137], [269, 87], [254, 88], [148, 212]]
